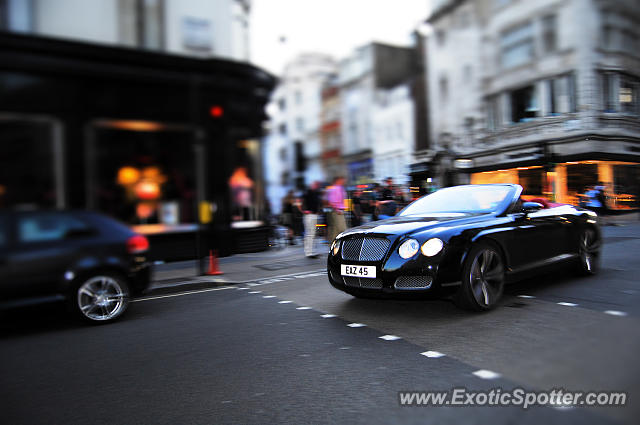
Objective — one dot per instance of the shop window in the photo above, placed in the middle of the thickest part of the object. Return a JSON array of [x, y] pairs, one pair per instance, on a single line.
[[532, 181], [524, 104], [27, 158], [580, 177], [517, 46], [145, 177], [626, 189]]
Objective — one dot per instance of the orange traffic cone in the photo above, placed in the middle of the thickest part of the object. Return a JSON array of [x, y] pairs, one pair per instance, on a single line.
[[213, 264]]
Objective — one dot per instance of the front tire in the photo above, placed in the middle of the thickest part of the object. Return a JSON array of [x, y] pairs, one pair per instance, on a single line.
[[482, 278], [100, 297]]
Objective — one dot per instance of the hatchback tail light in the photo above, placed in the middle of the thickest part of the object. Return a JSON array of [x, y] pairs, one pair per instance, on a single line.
[[137, 244]]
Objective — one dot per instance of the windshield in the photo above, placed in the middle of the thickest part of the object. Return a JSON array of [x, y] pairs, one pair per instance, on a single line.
[[460, 199]]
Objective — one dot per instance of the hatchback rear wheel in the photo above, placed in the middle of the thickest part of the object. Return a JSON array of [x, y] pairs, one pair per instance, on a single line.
[[101, 298]]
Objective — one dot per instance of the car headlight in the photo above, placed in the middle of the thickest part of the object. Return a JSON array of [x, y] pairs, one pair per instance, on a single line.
[[409, 248], [335, 247], [432, 247]]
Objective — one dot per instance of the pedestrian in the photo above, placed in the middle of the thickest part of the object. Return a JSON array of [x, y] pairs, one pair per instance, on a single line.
[[312, 205], [356, 208], [335, 198], [387, 206], [593, 201], [286, 217]]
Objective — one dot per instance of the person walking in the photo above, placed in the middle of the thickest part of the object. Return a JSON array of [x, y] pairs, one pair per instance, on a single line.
[[311, 208], [335, 198]]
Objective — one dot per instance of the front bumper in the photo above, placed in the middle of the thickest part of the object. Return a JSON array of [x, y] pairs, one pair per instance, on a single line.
[[395, 277]]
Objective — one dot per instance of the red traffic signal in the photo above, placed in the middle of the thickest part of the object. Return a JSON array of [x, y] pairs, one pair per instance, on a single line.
[[216, 111]]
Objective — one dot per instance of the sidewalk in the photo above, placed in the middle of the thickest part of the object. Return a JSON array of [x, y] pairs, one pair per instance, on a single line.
[[184, 275]]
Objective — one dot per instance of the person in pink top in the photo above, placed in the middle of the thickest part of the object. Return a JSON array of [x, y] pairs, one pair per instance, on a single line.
[[335, 198]]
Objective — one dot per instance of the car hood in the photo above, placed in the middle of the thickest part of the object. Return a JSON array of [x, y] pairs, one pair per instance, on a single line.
[[396, 226]]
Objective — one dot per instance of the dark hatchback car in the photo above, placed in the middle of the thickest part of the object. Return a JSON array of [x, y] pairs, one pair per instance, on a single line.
[[93, 262]]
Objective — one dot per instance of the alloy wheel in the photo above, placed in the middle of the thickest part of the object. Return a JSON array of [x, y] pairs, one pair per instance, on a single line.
[[102, 298], [486, 277]]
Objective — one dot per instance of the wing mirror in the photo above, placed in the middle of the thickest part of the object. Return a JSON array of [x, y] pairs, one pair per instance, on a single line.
[[530, 207]]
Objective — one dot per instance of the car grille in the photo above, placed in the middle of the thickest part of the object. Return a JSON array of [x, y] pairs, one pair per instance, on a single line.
[[413, 282], [357, 282], [365, 249]]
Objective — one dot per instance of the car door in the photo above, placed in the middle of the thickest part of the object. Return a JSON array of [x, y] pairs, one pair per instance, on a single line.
[[537, 237], [44, 248]]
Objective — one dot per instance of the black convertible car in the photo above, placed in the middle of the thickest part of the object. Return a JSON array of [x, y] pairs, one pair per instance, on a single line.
[[465, 241]]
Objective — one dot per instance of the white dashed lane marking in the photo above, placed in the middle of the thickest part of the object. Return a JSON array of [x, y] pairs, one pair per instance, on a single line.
[[356, 325], [303, 308], [255, 292], [269, 296], [568, 304], [389, 337], [526, 296], [328, 316], [433, 354], [486, 374], [615, 313], [285, 302]]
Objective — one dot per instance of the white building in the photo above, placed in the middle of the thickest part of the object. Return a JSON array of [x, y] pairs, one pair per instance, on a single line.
[[393, 126], [292, 150], [217, 28], [371, 83], [544, 93]]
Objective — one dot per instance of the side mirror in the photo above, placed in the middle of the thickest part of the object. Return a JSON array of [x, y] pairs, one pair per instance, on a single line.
[[530, 207]]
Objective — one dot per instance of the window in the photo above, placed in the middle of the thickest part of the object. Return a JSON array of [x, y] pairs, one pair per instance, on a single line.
[[444, 88], [298, 97], [621, 93], [524, 104], [493, 113], [45, 227], [282, 104], [441, 36], [517, 46], [282, 129], [552, 104], [300, 124], [628, 94], [609, 91], [549, 33]]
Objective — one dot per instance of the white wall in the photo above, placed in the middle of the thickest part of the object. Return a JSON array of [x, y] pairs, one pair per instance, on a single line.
[[90, 20]]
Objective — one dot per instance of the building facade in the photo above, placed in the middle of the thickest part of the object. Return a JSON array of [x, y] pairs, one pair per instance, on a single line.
[[330, 132], [167, 143], [215, 28], [293, 147], [368, 81], [546, 94]]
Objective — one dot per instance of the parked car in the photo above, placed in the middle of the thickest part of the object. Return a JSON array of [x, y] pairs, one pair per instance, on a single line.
[[465, 241], [94, 263]]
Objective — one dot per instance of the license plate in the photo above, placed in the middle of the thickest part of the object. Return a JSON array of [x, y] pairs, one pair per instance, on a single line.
[[358, 271]]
